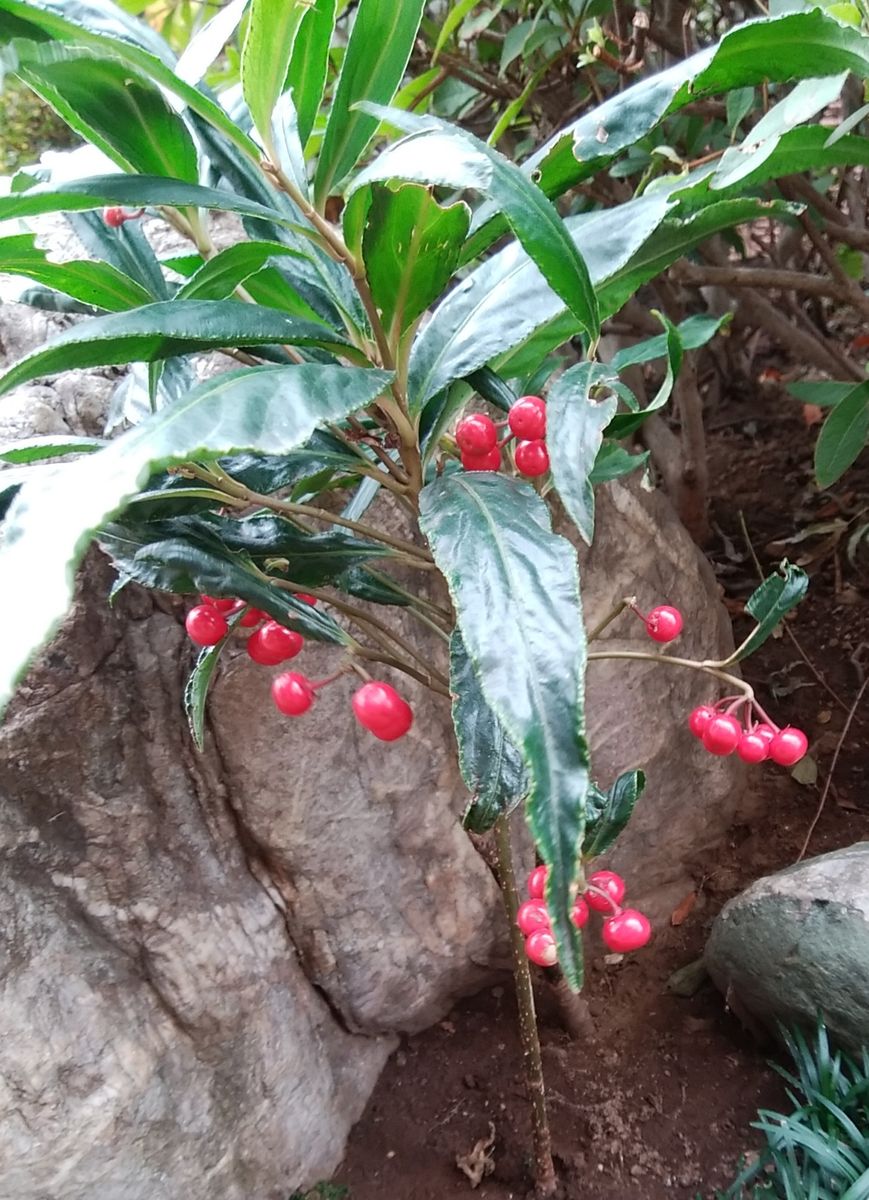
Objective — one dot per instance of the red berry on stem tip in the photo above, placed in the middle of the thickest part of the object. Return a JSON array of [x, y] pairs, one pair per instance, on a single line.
[[532, 458], [476, 434], [382, 711], [273, 644], [752, 749], [114, 217], [721, 736], [664, 623], [537, 883], [527, 418], [540, 948], [579, 912], [700, 718], [788, 746], [223, 606], [490, 461], [764, 731], [610, 883], [628, 930], [292, 693], [532, 915], [252, 617], [305, 598], [205, 625]]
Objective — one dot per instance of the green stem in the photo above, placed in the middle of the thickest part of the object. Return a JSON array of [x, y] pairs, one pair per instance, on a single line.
[[708, 668], [625, 603]]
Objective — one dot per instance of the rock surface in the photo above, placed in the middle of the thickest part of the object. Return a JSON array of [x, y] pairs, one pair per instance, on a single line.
[[796, 944]]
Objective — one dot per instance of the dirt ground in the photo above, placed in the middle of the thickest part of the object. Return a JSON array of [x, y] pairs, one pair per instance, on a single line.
[[659, 1104]]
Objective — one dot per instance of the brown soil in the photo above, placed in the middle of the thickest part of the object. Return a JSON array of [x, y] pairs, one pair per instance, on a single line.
[[659, 1105]]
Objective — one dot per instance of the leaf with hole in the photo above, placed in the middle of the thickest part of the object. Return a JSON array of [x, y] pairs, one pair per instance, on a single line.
[[770, 603]]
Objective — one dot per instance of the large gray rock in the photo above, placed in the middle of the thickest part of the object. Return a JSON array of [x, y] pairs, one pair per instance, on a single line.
[[796, 944]]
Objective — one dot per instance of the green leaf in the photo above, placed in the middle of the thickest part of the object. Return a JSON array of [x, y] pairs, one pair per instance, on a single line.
[[220, 276], [610, 811], [158, 331], [775, 597], [205, 45], [287, 144], [491, 766], [34, 449], [624, 424], [694, 332], [411, 247], [823, 392], [843, 436], [94, 283], [492, 387], [576, 421], [452, 21], [196, 691], [268, 409], [310, 62], [378, 52], [515, 590], [613, 462], [265, 56]]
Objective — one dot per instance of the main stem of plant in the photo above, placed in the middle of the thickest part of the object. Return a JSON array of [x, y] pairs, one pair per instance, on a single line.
[[532, 1063]]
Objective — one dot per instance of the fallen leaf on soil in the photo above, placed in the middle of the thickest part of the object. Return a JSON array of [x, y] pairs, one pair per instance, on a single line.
[[683, 910], [806, 771], [860, 342], [478, 1162], [813, 414], [688, 980]]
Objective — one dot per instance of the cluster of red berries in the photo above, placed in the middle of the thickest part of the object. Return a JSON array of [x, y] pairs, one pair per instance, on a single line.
[[722, 733], [377, 706], [624, 929], [477, 439], [115, 217]]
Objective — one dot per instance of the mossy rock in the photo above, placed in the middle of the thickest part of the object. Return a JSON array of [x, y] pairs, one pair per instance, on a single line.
[[27, 127]]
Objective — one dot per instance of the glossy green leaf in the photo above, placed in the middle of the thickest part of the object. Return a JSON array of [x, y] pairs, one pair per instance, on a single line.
[[272, 410], [843, 436], [207, 43], [163, 330], [287, 143], [196, 691], [34, 449], [492, 768], [265, 56], [614, 461], [95, 283], [378, 52], [488, 384], [694, 332], [623, 424], [126, 249], [218, 278], [609, 812], [824, 392], [410, 246], [310, 62], [515, 591], [453, 19], [576, 419], [770, 603]]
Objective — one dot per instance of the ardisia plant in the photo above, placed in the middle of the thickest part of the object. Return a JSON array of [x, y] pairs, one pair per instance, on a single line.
[[355, 458]]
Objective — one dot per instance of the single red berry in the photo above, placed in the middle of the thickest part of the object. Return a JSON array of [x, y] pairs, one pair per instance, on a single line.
[[305, 598], [700, 718], [527, 418], [272, 644], [664, 623], [532, 458], [292, 693], [205, 625], [788, 746], [476, 434], [752, 749], [252, 618], [721, 736], [540, 948], [609, 882], [626, 931], [579, 912], [764, 731], [490, 461], [114, 217], [532, 915], [223, 606], [537, 883], [382, 711]]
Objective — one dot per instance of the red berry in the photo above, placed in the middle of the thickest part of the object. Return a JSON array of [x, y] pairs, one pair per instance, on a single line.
[[532, 458], [490, 461], [382, 711], [532, 915], [537, 883], [664, 623], [272, 644], [205, 625], [114, 217], [527, 418], [579, 912], [628, 930], [751, 748], [540, 948], [764, 731], [721, 736], [292, 693], [700, 718], [223, 606], [476, 434], [788, 746], [305, 598], [610, 883], [251, 618]]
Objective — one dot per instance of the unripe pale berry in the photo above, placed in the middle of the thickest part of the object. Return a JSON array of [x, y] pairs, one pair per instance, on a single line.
[[532, 458], [273, 644], [664, 623], [628, 930], [490, 461], [476, 434], [527, 418], [700, 718], [381, 710], [223, 606], [532, 915], [579, 913], [537, 883], [610, 883], [540, 948], [721, 736], [205, 625], [292, 693], [752, 749], [788, 746]]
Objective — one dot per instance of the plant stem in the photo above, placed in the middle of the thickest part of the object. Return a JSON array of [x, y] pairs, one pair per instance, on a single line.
[[544, 1168], [624, 603], [708, 668]]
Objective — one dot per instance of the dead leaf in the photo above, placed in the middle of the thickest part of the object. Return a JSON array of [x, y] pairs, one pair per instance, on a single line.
[[860, 342], [770, 375], [478, 1162], [813, 414], [806, 772], [683, 910]]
